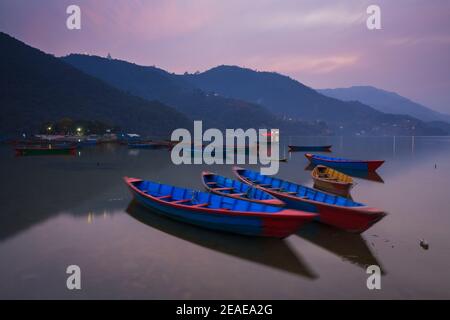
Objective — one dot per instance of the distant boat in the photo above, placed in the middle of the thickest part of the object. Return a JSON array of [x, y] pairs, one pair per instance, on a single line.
[[91, 140], [217, 212], [147, 145], [34, 150], [87, 142], [339, 212], [331, 180], [236, 189], [309, 148], [366, 165]]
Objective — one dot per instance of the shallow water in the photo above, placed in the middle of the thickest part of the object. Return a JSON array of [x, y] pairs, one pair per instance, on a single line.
[[62, 210]]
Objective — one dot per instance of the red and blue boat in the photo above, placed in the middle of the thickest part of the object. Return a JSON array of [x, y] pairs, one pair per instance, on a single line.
[[337, 211], [236, 189], [342, 163], [217, 212]]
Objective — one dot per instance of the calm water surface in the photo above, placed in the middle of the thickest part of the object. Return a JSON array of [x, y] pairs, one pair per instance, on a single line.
[[58, 211]]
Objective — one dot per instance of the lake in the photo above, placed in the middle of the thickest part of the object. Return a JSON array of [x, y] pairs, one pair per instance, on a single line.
[[63, 210]]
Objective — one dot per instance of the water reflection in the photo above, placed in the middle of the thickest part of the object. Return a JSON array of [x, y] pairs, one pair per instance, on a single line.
[[350, 247], [42, 187], [89, 188], [273, 253]]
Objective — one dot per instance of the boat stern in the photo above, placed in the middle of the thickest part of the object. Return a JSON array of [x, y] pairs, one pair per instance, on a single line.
[[309, 156], [285, 223], [274, 202], [374, 165], [129, 180]]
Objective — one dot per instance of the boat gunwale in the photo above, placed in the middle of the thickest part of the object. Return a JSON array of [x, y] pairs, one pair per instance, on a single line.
[[310, 156]]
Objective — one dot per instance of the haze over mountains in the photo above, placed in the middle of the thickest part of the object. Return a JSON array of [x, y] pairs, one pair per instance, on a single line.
[[37, 87], [289, 98], [385, 101]]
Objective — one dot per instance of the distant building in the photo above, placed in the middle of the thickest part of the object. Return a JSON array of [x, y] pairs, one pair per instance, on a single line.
[[109, 56]]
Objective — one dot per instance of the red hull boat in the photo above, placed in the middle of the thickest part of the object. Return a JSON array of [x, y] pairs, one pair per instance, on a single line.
[[340, 212]]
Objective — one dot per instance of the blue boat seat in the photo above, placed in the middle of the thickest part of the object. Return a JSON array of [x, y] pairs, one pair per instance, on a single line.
[[181, 201], [200, 205]]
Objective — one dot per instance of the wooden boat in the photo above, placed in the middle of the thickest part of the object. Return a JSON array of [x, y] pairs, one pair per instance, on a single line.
[[34, 150], [365, 175], [309, 148], [365, 165], [331, 180], [217, 212], [236, 189], [333, 210]]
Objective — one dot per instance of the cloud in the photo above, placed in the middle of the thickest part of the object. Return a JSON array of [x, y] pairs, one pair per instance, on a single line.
[[337, 16], [411, 41], [150, 20], [310, 64]]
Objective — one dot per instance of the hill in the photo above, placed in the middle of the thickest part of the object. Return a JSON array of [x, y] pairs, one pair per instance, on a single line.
[[152, 83], [289, 98], [37, 87], [385, 101]]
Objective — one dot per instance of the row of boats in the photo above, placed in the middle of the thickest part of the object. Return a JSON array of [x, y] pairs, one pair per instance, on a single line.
[[259, 205], [69, 147], [253, 204]]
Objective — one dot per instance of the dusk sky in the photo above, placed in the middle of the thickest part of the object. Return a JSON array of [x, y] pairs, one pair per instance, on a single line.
[[323, 44]]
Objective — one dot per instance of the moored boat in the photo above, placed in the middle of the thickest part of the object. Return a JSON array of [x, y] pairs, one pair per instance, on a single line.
[[236, 189], [34, 150], [326, 148], [331, 180], [88, 142], [217, 212], [147, 145], [365, 165], [333, 210]]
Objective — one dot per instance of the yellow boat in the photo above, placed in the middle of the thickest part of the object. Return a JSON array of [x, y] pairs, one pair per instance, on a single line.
[[333, 181]]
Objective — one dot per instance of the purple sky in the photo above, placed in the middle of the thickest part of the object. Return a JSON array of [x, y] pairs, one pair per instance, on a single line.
[[320, 43]]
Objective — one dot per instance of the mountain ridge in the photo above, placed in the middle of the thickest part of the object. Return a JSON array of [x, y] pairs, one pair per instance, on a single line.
[[37, 87], [385, 101], [151, 82], [290, 98]]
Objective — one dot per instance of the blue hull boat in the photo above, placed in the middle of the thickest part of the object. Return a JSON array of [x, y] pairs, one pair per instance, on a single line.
[[342, 163], [217, 212]]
